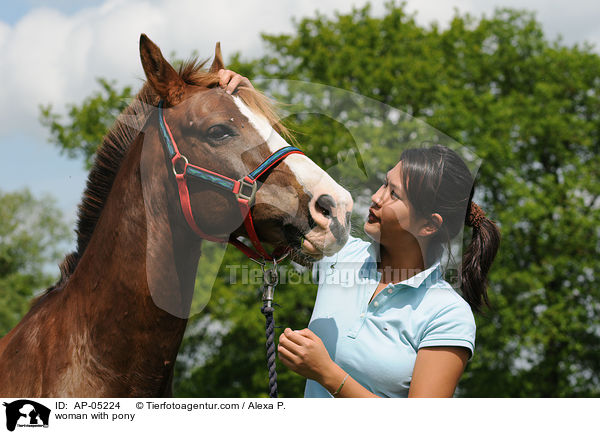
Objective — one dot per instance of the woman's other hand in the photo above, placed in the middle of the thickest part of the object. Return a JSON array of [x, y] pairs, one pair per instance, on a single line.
[[230, 80], [304, 353]]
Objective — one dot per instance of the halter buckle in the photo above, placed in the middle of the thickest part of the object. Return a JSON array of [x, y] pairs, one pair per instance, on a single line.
[[247, 190]]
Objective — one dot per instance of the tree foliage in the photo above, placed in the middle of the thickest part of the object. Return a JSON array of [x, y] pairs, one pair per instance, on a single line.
[[87, 123], [31, 233], [527, 106]]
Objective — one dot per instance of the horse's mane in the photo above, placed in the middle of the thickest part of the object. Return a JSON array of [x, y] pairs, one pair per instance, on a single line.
[[116, 144]]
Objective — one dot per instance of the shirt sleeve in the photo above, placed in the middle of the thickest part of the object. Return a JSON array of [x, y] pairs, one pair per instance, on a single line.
[[453, 326]]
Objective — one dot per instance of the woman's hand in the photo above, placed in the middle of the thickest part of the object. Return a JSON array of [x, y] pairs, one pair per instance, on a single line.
[[230, 80], [304, 353]]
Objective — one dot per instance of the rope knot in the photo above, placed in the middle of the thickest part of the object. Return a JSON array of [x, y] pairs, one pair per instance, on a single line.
[[267, 310]]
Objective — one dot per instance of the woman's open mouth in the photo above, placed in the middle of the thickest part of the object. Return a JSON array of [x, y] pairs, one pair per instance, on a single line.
[[371, 218]]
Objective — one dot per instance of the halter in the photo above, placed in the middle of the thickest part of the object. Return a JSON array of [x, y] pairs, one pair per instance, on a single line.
[[243, 189]]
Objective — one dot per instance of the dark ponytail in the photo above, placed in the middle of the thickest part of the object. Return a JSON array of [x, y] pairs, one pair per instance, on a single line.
[[478, 258], [437, 180]]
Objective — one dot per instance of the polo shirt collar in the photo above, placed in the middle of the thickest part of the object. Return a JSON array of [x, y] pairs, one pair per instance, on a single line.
[[373, 251], [430, 275]]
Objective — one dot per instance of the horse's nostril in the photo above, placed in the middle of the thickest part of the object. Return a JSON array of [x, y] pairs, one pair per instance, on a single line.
[[324, 204], [322, 210]]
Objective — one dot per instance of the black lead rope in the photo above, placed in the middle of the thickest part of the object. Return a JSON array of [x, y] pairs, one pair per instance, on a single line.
[[267, 311], [270, 280]]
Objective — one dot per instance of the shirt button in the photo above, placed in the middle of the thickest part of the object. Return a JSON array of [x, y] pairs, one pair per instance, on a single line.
[[362, 315], [390, 291], [375, 303]]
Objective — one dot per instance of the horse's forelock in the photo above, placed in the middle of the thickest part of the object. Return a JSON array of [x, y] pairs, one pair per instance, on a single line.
[[193, 73]]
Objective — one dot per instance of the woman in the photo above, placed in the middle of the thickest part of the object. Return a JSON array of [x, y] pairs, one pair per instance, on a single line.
[[397, 328]]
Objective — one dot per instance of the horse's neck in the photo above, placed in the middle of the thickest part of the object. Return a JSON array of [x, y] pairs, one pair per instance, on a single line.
[[131, 253]]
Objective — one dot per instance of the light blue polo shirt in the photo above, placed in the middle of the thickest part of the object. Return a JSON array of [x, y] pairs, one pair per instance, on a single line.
[[377, 342]]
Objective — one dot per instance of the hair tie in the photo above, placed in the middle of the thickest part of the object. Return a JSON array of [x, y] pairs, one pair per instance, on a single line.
[[476, 215]]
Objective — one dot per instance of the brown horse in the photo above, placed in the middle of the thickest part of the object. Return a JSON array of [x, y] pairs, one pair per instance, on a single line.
[[99, 332]]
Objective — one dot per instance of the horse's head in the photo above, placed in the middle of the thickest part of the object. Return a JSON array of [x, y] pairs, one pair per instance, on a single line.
[[298, 204]]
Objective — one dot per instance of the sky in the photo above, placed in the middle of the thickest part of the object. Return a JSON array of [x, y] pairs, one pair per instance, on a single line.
[[53, 51]]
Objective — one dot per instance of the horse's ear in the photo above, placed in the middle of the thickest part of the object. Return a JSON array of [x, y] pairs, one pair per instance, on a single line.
[[160, 74], [218, 61]]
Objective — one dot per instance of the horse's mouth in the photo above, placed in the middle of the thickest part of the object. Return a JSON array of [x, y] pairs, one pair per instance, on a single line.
[[302, 258], [310, 249], [304, 252]]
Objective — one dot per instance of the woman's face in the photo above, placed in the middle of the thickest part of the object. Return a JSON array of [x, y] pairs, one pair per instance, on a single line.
[[392, 219]]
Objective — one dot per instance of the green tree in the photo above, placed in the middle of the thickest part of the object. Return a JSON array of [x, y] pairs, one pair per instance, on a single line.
[[80, 137], [32, 237], [529, 108]]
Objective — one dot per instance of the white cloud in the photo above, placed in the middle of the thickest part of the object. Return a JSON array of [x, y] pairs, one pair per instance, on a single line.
[[4, 32], [48, 56]]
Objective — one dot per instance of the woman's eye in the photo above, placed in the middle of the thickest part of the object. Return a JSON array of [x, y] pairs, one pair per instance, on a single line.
[[394, 195], [219, 132]]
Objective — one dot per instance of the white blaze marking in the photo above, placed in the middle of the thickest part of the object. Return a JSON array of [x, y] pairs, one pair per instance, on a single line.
[[314, 179]]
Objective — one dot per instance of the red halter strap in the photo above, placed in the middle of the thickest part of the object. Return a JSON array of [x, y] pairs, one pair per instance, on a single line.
[[243, 189]]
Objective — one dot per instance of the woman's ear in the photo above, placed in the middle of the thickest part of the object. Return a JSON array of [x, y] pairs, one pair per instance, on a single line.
[[431, 226], [160, 74]]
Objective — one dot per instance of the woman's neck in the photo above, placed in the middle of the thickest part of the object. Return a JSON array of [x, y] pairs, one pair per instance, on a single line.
[[400, 261]]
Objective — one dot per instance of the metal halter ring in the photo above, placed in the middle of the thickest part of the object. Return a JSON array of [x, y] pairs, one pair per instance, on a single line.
[[174, 162], [270, 281], [276, 262]]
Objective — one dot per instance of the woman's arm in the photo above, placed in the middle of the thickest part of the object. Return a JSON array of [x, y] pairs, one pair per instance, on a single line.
[[437, 371], [333, 378]]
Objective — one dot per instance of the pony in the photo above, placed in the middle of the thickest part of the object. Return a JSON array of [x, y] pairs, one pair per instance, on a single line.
[[113, 323]]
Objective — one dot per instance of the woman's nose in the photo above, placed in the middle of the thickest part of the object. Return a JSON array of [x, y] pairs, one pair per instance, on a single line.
[[376, 198]]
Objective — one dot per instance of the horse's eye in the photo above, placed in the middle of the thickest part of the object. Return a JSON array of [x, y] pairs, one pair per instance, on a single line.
[[219, 132]]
